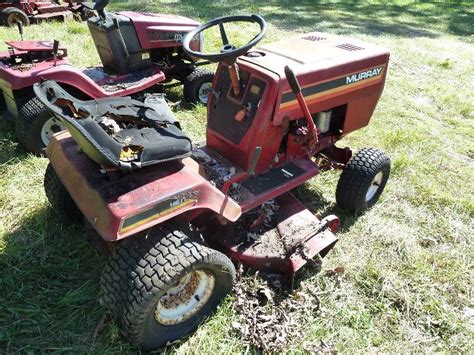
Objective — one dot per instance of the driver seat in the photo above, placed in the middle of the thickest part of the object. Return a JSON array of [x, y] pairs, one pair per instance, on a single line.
[[119, 133]]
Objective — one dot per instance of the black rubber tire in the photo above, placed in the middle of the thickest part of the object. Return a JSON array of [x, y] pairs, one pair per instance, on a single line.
[[142, 269], [193, 83], [5, 15], [357, 177], [31, 118], [59, 198]]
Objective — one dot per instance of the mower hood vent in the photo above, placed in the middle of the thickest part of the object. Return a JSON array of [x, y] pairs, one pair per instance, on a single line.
[[313, 38], [349, 47]]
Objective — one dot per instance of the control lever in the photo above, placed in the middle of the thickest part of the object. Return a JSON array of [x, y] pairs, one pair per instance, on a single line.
[[20, 29], [296, 88], [234, 78], [55, 51]]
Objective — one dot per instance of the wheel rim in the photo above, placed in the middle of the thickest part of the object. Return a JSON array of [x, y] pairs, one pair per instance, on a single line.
[[50, 127], [13, 19], [204, 91], [184, 300], [374, 186]]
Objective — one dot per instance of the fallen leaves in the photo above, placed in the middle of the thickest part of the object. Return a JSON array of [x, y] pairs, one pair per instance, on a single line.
[[269, 318]]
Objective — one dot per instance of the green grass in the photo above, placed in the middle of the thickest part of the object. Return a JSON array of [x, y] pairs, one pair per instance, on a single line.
[[406, 284]]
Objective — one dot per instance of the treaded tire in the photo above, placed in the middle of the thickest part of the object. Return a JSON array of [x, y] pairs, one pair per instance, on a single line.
[[140, 272], [31, 118], [358, 176], [8, 15], [193, 83], [59, 197]]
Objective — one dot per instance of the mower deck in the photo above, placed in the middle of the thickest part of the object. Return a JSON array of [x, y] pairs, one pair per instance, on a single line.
[[281, 236]]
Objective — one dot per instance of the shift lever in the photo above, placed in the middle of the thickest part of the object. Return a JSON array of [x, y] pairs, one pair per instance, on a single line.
[[20, 28], [55, 51]]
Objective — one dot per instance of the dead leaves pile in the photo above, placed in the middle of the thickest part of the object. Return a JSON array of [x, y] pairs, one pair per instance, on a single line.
[[269, 319]]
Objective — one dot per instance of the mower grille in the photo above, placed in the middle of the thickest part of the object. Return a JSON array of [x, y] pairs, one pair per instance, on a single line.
[[349, 47], [313, 38]]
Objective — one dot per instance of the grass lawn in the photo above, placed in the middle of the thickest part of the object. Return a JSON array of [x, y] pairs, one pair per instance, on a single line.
[[401, 277]]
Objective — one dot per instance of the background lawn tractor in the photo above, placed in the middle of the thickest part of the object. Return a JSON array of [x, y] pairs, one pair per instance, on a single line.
[[139, 52], [26, 11], [173, 215]]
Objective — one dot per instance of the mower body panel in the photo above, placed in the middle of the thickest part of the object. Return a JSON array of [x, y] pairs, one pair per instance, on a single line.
[[332, 71], [92, 82], [129, 41], [336, 73], [157, 31], [137, 201]]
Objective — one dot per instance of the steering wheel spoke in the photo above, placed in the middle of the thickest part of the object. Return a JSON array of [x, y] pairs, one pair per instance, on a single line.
[[225, 40]]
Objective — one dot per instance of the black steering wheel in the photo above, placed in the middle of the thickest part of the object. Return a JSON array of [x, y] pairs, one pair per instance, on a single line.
[[229, 52]]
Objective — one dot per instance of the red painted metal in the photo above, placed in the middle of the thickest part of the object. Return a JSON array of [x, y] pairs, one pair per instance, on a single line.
[[106, 203], [313, 64], [297, 237], [15, 79], [31, 46], [37, 9], [151, 26]]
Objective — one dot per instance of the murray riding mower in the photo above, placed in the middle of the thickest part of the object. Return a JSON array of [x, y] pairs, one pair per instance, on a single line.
[[173, 215], [140, 53], [25, 11]]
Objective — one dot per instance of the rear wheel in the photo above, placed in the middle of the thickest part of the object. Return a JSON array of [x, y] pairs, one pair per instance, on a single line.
[[35, 126], [363, 180], [59, 197], [197, 85], [11, 16], [162, 286]]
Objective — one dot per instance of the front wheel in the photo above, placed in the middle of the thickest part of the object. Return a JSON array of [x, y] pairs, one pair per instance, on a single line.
[[197, 86], [11, 16], [35, 126], [163, 285], [363, 180]]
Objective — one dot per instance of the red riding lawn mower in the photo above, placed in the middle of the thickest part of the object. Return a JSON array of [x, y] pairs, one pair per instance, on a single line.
[[173, 215], [26, 11], [139, 52]]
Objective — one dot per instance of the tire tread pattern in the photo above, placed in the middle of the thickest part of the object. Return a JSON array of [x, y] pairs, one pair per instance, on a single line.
[[140, 268], [193, 81], [357, 177], [25, 130]]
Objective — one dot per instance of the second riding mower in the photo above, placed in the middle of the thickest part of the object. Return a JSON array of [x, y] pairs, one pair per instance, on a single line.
[[140, 52], [173, 215], [13, 12]]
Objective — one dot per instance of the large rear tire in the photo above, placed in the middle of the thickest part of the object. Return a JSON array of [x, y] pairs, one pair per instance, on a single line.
[[363, 180], [11, 16], [59, 198], [35, 126], [163, 285], [197, 86]]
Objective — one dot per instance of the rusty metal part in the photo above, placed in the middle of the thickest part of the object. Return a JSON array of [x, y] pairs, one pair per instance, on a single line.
[[234, 78], [186, 299]]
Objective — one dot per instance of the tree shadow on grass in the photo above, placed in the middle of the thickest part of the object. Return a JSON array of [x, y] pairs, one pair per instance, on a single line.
[[321, 207], [384, 18], [48, 287]]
